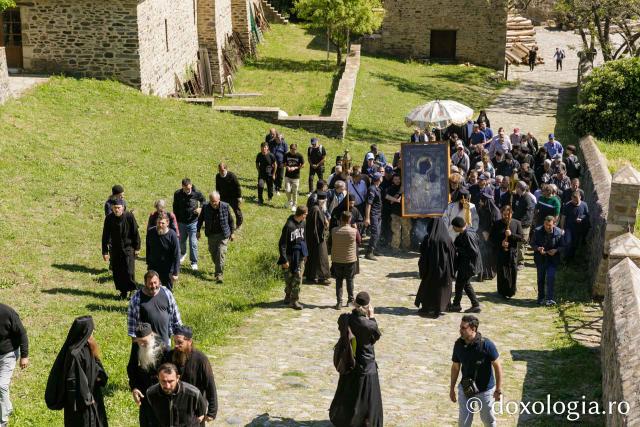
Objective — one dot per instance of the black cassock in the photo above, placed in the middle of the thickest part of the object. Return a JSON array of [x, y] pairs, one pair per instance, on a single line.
[[507, 260], [488, 215], [76, 380], [123, 234], [358, 397], [317, 266], [436, 267]]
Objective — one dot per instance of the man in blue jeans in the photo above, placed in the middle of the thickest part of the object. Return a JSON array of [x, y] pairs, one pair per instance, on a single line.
[[14, 346], [547, 242], [477, 357], [187, 205]]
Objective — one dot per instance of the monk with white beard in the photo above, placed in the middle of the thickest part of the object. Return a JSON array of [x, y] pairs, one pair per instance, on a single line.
[[147, 352]]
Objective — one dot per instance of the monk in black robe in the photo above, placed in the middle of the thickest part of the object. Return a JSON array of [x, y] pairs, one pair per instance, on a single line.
[[77, 377], [488, 214], [121, 229], [505, 236], [317, 268], [436, 267]]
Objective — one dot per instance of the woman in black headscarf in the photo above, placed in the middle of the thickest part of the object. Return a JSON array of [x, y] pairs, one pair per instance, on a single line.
[[482, 117], [488, 214], [436, 270], [76, 378]]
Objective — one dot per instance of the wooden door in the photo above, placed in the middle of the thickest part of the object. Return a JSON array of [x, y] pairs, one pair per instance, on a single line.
[[443, 44], [11, 36]]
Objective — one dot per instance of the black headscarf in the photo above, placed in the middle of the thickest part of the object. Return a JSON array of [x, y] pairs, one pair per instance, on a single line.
[[79, 333]]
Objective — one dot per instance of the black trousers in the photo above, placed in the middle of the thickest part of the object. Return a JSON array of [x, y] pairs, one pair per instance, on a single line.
[[262, 180], [235, 205], [374, 232], [463, 283], [344, 272], [319, 172], [279, 177]]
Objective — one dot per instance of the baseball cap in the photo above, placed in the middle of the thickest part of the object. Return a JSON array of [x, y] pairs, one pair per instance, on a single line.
[[370, 156], [314, 141]]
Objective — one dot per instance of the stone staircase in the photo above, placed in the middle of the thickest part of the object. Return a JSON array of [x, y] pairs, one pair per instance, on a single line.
[[272, 15]]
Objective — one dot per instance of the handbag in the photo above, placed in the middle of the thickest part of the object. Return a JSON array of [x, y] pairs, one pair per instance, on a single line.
[[469, 386]]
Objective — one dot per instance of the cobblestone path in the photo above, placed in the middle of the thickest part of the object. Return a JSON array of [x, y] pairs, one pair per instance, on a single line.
[[278, 370]]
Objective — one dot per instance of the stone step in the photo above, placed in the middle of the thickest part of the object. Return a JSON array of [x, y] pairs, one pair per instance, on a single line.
[[273, 14]]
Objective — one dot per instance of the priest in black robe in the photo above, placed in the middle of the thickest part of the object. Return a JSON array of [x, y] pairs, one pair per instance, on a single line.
[[436, 266], [121, 229], [488, 214], [317, 267], [505, 236], [467, 265], [77, 377]]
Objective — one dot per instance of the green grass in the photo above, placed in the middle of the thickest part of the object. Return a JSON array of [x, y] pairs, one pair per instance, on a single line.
[[67, 142]]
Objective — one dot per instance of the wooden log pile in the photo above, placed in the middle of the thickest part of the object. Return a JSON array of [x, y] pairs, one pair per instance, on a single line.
[[521, 38]]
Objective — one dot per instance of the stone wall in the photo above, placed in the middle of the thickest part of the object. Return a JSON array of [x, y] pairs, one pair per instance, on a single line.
[[481, 27], [620, 337], [168, 39], [540, 10], [214, 25], [241, 21], [5, 92], [82, 38]]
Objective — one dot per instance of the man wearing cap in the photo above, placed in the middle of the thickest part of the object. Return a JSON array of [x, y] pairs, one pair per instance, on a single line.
[[147, 352], [293, 253], [369, 167], [460, 158], [194, 368], [553, 147], [219, 229], [373, 216], [456, 208], [316, 268], [228, 186], [467, 264], [117, 195], [120, 236], [316, 154], [378, 157], [153, 304]]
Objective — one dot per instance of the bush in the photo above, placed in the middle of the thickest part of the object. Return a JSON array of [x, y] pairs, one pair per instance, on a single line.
[[6, 4], [609, 105]]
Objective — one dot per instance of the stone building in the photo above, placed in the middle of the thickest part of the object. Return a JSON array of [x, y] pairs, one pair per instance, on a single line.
[[472, 31], [142, 43]]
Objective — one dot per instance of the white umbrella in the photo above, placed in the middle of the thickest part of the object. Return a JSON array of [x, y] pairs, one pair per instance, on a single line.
[[439, 114]]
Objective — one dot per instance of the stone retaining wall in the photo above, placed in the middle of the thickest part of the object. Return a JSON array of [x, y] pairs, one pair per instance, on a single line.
[[5, 92], [620, 337], [334, 126]]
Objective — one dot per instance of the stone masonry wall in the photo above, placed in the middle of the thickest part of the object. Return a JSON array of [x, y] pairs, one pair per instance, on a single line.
[[620, 337], [5, 92], [406, 30], [82, 38], [241, 21], [214, 25], [168, 35], [596, 182]]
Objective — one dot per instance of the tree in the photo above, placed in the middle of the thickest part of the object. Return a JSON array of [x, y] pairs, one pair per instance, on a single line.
[[609, 105], [6, 4], [341, 19], [595, 20]]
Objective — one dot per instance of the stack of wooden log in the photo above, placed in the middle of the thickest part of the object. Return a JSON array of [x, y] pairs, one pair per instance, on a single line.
[[521, 38]]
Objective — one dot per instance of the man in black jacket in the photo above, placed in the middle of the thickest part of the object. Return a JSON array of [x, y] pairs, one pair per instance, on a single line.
[[174, 402], [147, 352], [228, 186], [187, 205], [316, 154], [524, 206], [219, 227], [163, 251], [14, 344], [266, 164], [467, 264], [293, 254], [194, 368]]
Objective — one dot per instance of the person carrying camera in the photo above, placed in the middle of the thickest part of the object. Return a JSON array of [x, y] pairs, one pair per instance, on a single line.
[[481, 382]]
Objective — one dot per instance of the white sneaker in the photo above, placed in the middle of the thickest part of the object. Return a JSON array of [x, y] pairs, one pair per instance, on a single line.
[[293, 208], [194, 267], [182, 258]]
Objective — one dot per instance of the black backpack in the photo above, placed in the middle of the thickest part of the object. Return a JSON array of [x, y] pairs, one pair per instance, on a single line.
[[344, 352]]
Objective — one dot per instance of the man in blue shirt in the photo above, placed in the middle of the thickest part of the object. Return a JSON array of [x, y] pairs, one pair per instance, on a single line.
[[547, 242], [553, 147], [373, 215], [477, 357], [575, 223], [488, 133], [477, 137]]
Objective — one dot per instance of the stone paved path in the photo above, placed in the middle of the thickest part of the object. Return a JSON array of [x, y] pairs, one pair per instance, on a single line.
[[279, 372]]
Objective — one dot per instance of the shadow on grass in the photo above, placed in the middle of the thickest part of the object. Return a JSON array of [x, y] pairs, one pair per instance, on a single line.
[[266, 419], [292, 66], [405, 85], [358, 133], [403, 274], [77, 268], [328, 102], [496, 298], [81, 292], [566, 373], [108, 307]]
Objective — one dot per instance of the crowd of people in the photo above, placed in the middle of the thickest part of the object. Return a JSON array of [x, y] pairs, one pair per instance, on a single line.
[[508, 193]]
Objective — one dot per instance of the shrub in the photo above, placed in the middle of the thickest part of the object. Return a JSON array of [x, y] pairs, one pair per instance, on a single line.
[[609, 105], [6, 4]]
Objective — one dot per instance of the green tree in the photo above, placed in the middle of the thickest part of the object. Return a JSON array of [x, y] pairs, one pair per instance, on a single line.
[[341, 19], [610, 101], [6, 4]]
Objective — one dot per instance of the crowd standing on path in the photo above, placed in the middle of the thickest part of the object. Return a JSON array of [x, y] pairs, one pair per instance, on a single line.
[[508, 195]]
